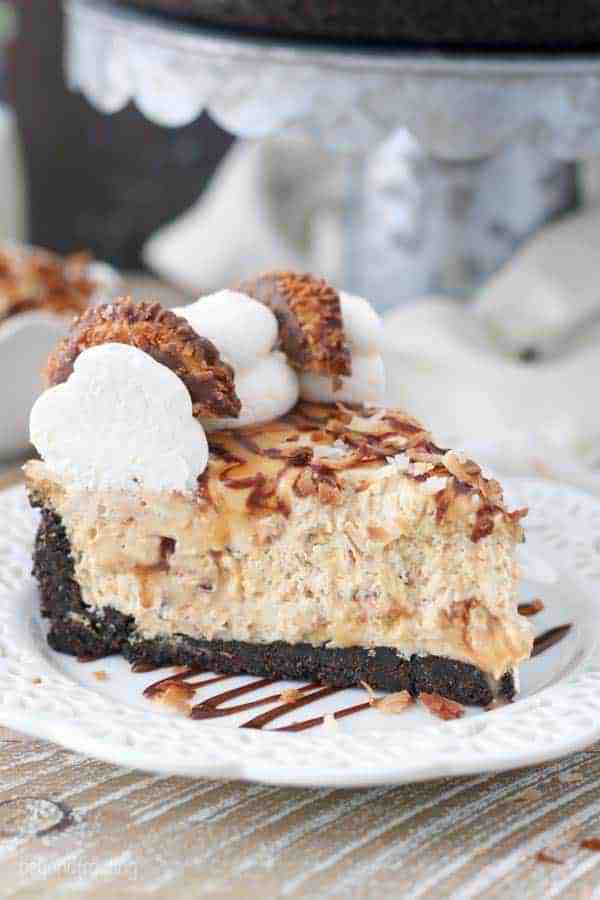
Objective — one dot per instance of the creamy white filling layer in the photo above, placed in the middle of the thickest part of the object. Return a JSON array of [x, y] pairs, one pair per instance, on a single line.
[[376, 570]]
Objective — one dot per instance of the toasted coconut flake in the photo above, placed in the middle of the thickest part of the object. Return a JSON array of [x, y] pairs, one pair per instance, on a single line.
[[101, 675], [290, 695], [492, 491], [532, 608], [176, 696], [463, 469], [390, 703], [442, 707], [393, 703], [517, 514]]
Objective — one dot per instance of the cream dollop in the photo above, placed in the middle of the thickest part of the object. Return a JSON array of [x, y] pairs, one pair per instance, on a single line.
[[268, 390], [365, 336], [120, 422], [246, 332]]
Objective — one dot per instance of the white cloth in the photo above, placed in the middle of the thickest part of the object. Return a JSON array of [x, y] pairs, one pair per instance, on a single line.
[[549, 290], [445, 368], [275, 204]]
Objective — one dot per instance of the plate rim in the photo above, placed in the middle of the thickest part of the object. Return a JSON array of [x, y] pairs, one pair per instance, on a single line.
[[85, 721]]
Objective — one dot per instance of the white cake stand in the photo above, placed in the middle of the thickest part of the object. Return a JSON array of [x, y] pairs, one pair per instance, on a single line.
[[452, 159]]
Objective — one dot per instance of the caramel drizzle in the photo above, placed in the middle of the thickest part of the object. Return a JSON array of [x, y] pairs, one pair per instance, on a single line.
[[263, 496], [364, 449]]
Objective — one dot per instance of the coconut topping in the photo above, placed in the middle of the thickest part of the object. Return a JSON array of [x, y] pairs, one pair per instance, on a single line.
[[164, 336], [330, 449], [310, 320], [363, 330]]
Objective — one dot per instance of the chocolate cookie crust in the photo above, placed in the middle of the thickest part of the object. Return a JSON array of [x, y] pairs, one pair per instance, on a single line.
[[80, 631], [164, 336]]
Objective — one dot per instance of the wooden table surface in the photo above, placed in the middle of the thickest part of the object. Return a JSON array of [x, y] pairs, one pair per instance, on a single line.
[[71, 826]]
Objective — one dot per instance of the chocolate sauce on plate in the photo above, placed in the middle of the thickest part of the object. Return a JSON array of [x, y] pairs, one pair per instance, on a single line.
[[214, 708], [549, 638]]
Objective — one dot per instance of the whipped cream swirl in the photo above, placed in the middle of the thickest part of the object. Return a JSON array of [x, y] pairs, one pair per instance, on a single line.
[[246, 332], [364, 332], [123, 421], [120, 422]]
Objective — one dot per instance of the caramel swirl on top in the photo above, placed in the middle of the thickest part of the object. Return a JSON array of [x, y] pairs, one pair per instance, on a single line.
[[324, 449], [311, 329], [164, 336]]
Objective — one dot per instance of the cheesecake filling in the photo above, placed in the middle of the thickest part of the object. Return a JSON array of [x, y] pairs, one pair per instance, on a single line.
[[374, 570]]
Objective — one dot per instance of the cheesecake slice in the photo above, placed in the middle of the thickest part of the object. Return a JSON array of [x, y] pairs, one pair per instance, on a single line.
[[197, 509], [335, 544]]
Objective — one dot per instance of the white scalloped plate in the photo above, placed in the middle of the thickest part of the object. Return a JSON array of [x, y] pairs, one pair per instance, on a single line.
[[557, 712]]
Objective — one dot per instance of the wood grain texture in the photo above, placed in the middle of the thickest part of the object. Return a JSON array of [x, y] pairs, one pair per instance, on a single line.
[[130, 834]]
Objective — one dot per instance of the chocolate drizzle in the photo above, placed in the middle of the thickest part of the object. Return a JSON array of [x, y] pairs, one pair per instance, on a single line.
[[267, 717], [214, 708], [287, 700], [549, 638], [319, 720]]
